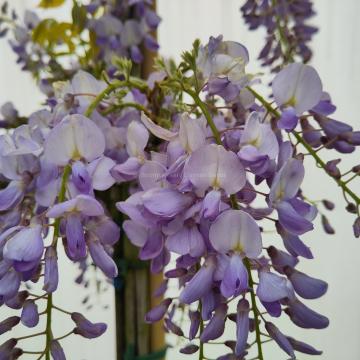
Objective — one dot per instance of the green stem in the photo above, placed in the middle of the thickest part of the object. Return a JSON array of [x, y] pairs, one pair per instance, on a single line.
[[286, 49], [255, 310], [201, 344], [126, 105], [49, 304], [234, 205], [93, 105], [206, 113], [308, 147], [130, 83]]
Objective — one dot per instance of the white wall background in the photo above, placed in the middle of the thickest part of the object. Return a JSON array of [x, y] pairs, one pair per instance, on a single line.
[[337, 59]]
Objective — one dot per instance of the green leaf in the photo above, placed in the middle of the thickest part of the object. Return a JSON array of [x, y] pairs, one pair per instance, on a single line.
[[49, 33], [46, 4], [79, 17]]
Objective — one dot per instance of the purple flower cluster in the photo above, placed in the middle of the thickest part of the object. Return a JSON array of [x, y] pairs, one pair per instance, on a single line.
[[51, 169], [207, 180], [286, 22], [197, 199], [123, 27], [103, 28]]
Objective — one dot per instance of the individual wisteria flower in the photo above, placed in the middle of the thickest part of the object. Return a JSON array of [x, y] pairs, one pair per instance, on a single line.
[[243, 239], [221, 65]]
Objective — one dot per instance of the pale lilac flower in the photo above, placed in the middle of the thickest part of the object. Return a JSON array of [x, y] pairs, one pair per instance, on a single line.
[[211, 166], [298, 86], [74, 138]]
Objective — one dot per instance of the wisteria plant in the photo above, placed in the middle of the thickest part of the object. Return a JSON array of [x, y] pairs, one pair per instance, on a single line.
[[209, 165]]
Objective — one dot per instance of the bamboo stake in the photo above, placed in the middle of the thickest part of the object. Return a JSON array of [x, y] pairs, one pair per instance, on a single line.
[[157, 338]]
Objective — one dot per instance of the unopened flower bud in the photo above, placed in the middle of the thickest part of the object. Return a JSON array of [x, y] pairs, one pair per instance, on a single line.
[[356, 227], [329, 205], [7, 324], [158, 311], [86, 328], [189, 349], [326, 225], [332, 169]]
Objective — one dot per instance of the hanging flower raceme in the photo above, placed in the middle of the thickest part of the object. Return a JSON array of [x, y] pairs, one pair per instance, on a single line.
[[200, 206]]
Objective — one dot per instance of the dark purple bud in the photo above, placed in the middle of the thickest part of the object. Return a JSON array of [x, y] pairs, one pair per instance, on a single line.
[[351, 208], [306, 318], [326, 225], [356, 227], [242, 326], [175, 273], [51, 277], [306, 286], [200, 284], [29, 314], [195, 319], [7, 324], [189, 349], [232, 317], [86, 328], [356, 169], [215, 327], [158, 311], [17, 301], [280, 259], [329, 205], [57, 351], [332, 169], [230, 344], [280, 339], [173, 328], [303, 347], [7, 348]]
